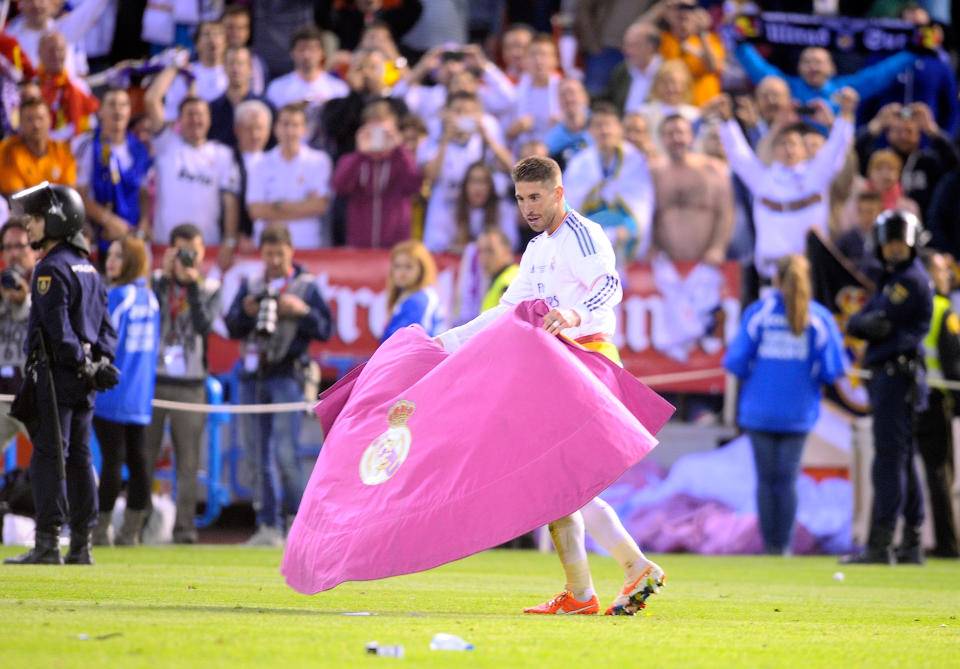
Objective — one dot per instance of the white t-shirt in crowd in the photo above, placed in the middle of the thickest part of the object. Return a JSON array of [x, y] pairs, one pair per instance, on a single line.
[[275, 179], [292, 87], [211, 83], [189, 183]]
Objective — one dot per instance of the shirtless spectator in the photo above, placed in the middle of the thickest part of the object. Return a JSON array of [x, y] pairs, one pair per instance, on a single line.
[[206, 77], [693, 216]]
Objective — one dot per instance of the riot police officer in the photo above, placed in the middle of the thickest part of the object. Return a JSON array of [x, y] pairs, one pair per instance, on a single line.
[[894, 321], [70, 345]]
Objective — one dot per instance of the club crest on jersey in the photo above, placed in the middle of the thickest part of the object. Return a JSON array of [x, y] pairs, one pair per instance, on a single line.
[[382, 458], [43, 284]]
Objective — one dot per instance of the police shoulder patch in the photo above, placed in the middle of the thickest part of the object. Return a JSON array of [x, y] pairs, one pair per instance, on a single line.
[[898, 293], [953, 324], [43, 284]]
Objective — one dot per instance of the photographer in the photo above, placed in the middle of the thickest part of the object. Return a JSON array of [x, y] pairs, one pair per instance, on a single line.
[[277, 314], [912, 133], [70, 346], [378, 182], [18, 261], [189, 304]]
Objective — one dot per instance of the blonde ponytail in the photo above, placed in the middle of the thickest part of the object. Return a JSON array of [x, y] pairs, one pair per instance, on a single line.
[[793, 274]]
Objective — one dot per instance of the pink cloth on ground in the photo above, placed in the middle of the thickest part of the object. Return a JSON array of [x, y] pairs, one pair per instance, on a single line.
[[514, 430]]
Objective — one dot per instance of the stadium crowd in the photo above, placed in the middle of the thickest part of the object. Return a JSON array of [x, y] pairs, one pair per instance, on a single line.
[[274, 126]]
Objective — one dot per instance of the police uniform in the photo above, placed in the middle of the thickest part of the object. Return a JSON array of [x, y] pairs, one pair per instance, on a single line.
[[895, 321], [70, 342], [934, 431]]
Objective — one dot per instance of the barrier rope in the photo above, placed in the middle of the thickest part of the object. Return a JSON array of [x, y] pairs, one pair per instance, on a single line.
[[285, 407]]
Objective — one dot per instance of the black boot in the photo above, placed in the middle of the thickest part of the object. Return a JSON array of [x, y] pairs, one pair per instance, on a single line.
[[80, 545], [46, 549], [878, 549], [911, 548]]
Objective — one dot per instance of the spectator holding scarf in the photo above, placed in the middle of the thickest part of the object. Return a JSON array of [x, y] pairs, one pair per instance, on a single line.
[[112, 165], [817, 74]]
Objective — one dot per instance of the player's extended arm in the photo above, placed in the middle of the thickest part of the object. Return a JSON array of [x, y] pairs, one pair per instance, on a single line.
[[877, 78]]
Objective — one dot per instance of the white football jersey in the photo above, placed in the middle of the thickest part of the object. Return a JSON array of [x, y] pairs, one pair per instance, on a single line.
[[573, 268]]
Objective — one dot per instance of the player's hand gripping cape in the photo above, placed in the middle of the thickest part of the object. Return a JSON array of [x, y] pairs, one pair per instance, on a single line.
[[431, 456]]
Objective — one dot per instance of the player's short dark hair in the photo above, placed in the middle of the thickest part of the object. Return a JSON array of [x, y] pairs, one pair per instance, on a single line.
[[536, 169], [378, 110], [276, 233], [185, 231], [306, 34]]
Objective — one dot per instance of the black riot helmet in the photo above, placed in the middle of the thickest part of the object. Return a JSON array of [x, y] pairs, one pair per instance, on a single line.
[[60, 207], [896, 224]]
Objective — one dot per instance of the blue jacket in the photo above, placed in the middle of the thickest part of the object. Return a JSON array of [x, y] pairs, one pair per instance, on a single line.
[[868, 82], [781, 372], [135, 315], [422, 307]]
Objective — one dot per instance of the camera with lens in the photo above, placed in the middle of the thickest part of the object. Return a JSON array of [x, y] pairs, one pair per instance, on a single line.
[[267, 314], [12, 277], [187, 257]]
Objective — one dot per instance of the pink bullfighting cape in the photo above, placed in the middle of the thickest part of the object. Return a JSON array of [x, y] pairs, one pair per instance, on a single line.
[[430, 457]]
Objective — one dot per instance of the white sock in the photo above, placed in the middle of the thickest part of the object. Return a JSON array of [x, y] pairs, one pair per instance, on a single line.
[[568, 539], [603, 524]]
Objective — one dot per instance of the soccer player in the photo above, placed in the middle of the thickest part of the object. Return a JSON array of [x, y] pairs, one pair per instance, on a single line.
[[570, 265]]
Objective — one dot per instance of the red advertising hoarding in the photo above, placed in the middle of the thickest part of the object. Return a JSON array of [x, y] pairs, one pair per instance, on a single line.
[[353, 283]]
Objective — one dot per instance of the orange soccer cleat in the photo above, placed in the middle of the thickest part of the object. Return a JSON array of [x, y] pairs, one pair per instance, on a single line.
[[634, 595], [565, 604]]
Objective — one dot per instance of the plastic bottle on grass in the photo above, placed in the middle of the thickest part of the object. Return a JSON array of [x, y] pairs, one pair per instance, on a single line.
[[374, 648], [444, 641]]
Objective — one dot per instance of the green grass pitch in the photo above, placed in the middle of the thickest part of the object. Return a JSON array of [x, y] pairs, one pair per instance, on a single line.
[[213, 606]]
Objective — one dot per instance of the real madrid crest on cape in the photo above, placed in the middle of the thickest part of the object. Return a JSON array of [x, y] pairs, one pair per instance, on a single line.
[[384, 456], [466, 470]]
